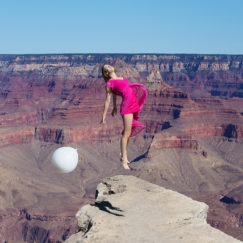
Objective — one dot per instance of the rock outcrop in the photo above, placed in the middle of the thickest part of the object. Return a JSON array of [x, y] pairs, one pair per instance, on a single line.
[[128, 209]]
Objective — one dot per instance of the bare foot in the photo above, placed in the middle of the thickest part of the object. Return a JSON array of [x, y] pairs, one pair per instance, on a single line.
[[126, 167], [125, 164], [121, 158]]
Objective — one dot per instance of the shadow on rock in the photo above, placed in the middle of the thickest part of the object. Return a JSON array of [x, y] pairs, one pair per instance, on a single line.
[[137, 159], [105, 205]]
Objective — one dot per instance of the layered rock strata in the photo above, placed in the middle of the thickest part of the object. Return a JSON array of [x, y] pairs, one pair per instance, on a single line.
[[217, 75]]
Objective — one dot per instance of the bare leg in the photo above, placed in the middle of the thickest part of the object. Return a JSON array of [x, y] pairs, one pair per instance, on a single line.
[[126, 149], [127, 122], [127, 142]]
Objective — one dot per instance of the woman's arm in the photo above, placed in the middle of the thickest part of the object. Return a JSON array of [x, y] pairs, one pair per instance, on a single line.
[[114, 111], [114, 100], [107, 103]]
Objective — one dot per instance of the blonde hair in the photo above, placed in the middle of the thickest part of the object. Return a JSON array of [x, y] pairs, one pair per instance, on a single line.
[[106, 77], [103, 74]]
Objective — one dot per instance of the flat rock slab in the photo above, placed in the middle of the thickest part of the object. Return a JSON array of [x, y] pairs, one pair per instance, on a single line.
[[128, 209]]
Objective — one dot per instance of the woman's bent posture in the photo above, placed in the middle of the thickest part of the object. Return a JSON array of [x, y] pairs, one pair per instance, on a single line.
[[133, 98]]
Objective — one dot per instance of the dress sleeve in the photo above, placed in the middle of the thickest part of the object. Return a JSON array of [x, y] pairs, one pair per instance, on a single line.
[[109, 84]]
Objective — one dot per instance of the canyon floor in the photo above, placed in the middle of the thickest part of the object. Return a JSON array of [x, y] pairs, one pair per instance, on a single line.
[[34, 195]]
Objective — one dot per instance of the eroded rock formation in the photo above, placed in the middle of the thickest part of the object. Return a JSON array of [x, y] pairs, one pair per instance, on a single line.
[[128, 209]]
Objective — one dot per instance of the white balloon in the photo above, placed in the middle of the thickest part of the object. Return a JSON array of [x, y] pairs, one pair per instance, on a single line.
[[65, 159]]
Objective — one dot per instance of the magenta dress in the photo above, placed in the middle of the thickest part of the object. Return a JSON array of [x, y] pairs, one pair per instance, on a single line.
[[133, 99]]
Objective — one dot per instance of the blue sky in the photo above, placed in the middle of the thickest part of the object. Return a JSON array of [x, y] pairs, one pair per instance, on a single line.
[[121, 26]]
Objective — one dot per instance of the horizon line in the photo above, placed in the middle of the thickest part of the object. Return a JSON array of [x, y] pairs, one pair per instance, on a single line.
[[117, 53]]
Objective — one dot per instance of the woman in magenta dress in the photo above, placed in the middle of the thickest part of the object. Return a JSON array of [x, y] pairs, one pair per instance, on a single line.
[[133, 98]]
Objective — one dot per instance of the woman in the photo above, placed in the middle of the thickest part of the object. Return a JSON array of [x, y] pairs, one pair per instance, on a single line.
[[133, 98]]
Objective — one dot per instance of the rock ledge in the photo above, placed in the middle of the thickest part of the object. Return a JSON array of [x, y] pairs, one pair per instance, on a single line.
[[129, 209]]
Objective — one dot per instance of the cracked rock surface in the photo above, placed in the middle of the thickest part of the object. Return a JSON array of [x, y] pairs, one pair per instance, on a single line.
[[128, 209]]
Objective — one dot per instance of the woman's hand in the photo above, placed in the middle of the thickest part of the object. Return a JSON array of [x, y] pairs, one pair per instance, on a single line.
[[103, 121], [114, 111]]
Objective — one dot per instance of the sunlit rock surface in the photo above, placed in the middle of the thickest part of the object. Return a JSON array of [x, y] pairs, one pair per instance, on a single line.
[[128, 209]]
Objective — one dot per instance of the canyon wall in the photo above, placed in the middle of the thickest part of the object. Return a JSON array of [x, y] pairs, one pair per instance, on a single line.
[[49, 92]]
